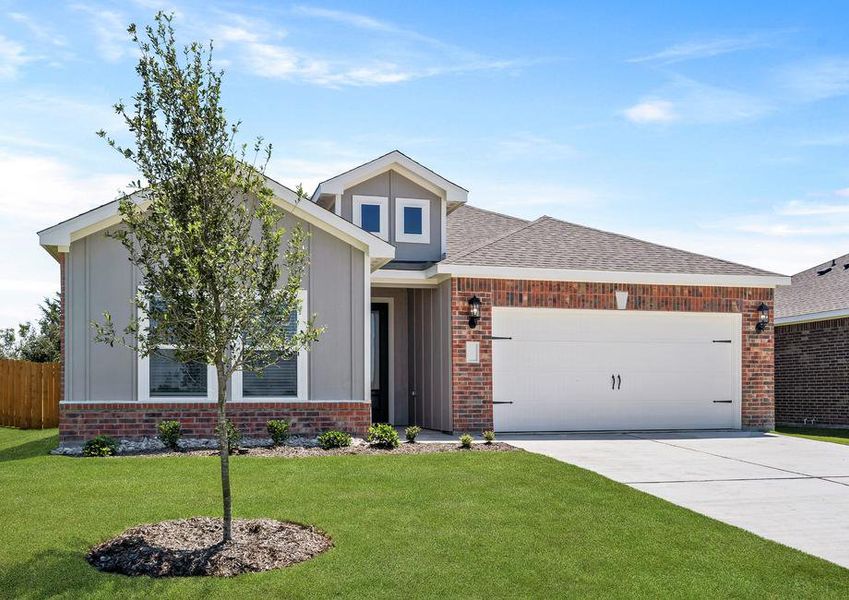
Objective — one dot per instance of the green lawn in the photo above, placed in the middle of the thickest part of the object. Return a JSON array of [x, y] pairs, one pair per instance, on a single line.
[[837, 436], [485, 525]]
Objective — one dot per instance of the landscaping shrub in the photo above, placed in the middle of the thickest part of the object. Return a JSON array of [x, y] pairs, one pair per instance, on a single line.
[[383, 435], [412, 433], [278, 431], [169, 433], [489, 436], [334, 439], [466, 440], [234, 436], [101, 445]]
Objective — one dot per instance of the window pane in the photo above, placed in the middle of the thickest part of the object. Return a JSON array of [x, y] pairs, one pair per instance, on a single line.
[[171, 378], [277, 380], [370, 217], [413, 220]]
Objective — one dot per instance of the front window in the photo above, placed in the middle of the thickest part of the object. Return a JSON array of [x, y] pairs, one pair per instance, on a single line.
[[172, 378], [280, 378], [370, 217], [412, 220], [372, 214]]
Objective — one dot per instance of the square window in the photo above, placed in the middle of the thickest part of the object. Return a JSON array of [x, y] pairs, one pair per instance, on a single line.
[[413, 220], [370, 217], [172, 378]]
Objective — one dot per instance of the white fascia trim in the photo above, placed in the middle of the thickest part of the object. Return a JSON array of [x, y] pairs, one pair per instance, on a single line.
[[412, 238], [817, 316], [487, 272], [102, 217], [404, 165], [382, 202], [398, 277]]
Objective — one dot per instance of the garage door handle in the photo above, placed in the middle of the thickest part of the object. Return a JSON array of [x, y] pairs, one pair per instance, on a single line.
[[722, 401], [613, 382], [619, 377]]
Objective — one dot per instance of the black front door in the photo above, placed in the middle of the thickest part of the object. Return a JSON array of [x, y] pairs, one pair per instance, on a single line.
[[380, 363]]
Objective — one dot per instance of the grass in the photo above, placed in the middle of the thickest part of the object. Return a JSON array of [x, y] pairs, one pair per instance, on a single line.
[[822, 434], [439, 525]]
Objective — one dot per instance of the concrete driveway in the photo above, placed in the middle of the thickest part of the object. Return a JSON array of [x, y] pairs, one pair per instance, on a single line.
[[790, 490]]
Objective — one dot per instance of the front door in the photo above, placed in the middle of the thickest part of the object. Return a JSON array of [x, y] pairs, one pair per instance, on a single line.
[[380, 363]]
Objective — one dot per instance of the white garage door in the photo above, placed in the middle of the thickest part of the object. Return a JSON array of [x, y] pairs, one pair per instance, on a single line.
[[572, 370]]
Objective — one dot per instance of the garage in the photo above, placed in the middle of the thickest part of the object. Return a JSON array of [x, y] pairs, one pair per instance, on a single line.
[[594, 370]]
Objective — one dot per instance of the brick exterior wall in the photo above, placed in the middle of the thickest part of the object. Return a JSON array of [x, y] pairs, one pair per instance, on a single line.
[[130, 420], [472, 383], [812, 373]]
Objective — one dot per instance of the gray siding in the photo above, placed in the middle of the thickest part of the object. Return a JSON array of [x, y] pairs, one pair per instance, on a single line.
[[392, 185], [100, 278], [400, 343], [430, 356]]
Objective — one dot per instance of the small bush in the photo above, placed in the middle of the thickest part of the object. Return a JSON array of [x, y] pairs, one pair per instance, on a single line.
[[334, 439], [278, 431], [234, 436], [383, 435], [466, 440], [169, 433], [412, 432], [102, 445], [489, 436]]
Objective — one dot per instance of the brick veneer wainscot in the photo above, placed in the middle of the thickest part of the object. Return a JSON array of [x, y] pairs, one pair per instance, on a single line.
[[812, 373], [129, 420], [472, 383]]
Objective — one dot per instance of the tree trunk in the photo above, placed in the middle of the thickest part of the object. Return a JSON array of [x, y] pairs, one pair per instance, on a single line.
[[224, 451]]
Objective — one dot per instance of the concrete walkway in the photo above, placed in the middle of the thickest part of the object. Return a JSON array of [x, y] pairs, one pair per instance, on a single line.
[[790, 490]]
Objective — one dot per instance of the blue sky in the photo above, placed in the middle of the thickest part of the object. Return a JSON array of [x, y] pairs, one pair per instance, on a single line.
[[721, 128]]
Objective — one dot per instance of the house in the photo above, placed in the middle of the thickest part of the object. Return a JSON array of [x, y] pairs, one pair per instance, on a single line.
[[812, 347], [446, 316]]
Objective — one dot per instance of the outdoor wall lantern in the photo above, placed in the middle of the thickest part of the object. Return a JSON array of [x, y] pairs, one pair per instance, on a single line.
[[763, 317], [474, 311]]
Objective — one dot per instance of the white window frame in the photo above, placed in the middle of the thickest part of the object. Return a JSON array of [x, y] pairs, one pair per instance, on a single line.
[[144, 377], [380, 201], [235, 380], [302, 370], [412, 238]]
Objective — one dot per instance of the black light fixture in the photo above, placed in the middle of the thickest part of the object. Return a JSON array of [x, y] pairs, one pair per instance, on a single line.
[[763, 317], [474, 311]]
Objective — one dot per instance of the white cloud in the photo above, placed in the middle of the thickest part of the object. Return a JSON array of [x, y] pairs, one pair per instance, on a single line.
[[389, 54], [38, 29], [704, 48], [651, 111], [690, 101], [110, 30], [529, 144], [12, 57], [38, 191], [817, 79], [799, 208]]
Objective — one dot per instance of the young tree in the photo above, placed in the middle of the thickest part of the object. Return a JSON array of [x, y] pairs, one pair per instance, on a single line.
[[204, 233], [36, 343]]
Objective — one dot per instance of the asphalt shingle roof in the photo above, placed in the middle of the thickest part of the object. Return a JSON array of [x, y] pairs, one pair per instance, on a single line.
[[550, 243], [470, 226], [811, 292]]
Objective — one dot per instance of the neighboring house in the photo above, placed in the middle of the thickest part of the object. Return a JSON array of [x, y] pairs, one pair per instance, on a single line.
[[812, 347], [578, 329]]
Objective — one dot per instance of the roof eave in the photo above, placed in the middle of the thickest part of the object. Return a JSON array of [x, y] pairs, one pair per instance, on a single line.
[[624, 277]]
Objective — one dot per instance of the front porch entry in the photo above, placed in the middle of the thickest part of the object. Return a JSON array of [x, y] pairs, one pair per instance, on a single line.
[[410, 349]]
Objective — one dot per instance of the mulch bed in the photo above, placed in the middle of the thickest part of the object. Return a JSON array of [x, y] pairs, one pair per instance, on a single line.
[[306, 451], [192, 547]]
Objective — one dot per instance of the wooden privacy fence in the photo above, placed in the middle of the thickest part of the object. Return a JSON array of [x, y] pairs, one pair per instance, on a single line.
[[29, 394]]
